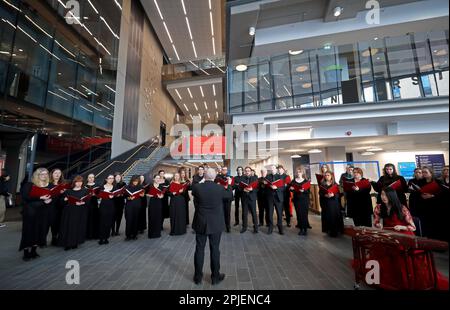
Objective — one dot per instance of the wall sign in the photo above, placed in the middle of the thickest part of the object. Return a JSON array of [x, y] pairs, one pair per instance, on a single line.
[[406, 169], [435, 161]]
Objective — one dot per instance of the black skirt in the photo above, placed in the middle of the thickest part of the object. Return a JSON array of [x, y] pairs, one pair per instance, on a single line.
[[155, 217], [177, 215], [132, 216], [106, 218]]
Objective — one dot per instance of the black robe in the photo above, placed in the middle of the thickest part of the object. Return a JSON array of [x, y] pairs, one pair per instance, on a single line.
[[414, 198], [35, 220], [119, 205], [73, 221], [142, 217], [55, 215], [444, 206], [359, 206], [187, 199], [106, 211], [155, 217], [132, 210], [177, 215], [301, 204], [332, 219], [431, 214], [385, 181], [166, 207], [93, 216]]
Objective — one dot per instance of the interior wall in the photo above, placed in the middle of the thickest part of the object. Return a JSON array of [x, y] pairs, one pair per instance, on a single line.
[[155, 104]]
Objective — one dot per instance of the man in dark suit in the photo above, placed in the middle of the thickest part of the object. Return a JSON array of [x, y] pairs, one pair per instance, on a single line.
[[275, 199], [209, 224], [249, 202]]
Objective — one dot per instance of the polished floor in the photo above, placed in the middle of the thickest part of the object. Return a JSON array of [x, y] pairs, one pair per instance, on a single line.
[[250, 261]]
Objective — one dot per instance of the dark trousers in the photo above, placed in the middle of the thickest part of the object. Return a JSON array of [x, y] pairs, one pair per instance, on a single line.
[[262, 210], [238, 201], [274, 203], [199, 258], [227, 213], [249, 206]]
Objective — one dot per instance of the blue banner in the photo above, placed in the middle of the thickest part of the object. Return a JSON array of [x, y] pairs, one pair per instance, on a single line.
[[406, 169], [435, 161]]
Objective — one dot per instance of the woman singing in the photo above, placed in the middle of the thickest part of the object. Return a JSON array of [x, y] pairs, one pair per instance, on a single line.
[[73, 230], [93, 216], [134, 193], [55, 211], [33, 213], [119, 204], [359, 201], [332, 220], [391, 179], [177, 209], [414, 193], [106, 210], [155, 207], [301, 199]]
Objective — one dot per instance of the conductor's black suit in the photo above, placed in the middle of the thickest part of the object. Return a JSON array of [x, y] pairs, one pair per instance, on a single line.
[[209, 223]]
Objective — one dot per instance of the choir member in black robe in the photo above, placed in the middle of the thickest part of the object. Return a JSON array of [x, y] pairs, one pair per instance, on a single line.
[[238, 194], [223, 176], [155, 206], [275, 200], [73, 226], [93, 216], [55, 211], [177, 210], [388, 179], [263, 209], [332, 220], [430, 206], [132, 207], [33, 222], [359, 201], [301, 200], [106, 211], [444, 203], [142, 221], [187, 198], [119, 205], [249, 205], [166, 208], [287, 194], [414, 193]]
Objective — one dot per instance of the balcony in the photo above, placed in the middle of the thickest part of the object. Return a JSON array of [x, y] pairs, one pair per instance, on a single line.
[[387, 69]]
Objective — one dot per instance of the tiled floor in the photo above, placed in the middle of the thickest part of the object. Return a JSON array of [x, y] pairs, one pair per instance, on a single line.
[[249, 261]]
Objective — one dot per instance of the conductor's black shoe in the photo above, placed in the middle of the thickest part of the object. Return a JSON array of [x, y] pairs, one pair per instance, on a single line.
[[218, 280], [26, 255], [33, 253], [243, 230]]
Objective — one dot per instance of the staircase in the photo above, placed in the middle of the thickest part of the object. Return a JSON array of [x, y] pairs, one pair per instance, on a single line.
[[146, 165]]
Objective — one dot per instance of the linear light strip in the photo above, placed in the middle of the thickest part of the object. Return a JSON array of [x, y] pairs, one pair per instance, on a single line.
[[159, 11], [59, 96], [168, 33], [110, 29], [118, 4], [39, 27], [110, 89], [70, 53], [70, 95], [93, 7]]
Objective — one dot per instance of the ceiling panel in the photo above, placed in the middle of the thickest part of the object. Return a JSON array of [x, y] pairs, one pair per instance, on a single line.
[[179, 42], [199, 98]]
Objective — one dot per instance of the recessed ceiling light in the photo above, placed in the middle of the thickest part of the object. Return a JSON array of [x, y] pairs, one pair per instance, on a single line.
[[293, 53], [374, 149], [241, 68], [367, 153], [337, 11], [302, 68], [328, 46], [252, 31], [296, 156], [315, 151], [376, 38]]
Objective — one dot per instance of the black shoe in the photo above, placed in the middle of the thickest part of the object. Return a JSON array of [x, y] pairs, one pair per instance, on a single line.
[[228, 229], [218, 280], [255, 231], [54, 241], [33, 253], [198, 281], [305, 232], [309, 227], [26, 255], [270, 230], [100, 242], [281, 232], [243, 230], [288, 225], [106, 241], [67, 248], [135, 238]]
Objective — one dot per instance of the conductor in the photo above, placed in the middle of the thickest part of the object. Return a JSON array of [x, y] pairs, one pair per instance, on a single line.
[[209, 224]]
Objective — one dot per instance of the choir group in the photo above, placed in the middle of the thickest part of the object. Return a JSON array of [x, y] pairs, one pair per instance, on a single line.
[[86, 210]]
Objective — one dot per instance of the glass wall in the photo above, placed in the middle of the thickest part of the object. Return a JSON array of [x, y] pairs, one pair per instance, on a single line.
[[58, 68], [395, 68]]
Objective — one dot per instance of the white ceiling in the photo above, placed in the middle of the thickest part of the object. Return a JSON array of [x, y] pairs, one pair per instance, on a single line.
[[198, 14], [360, 144], [212, 94]]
